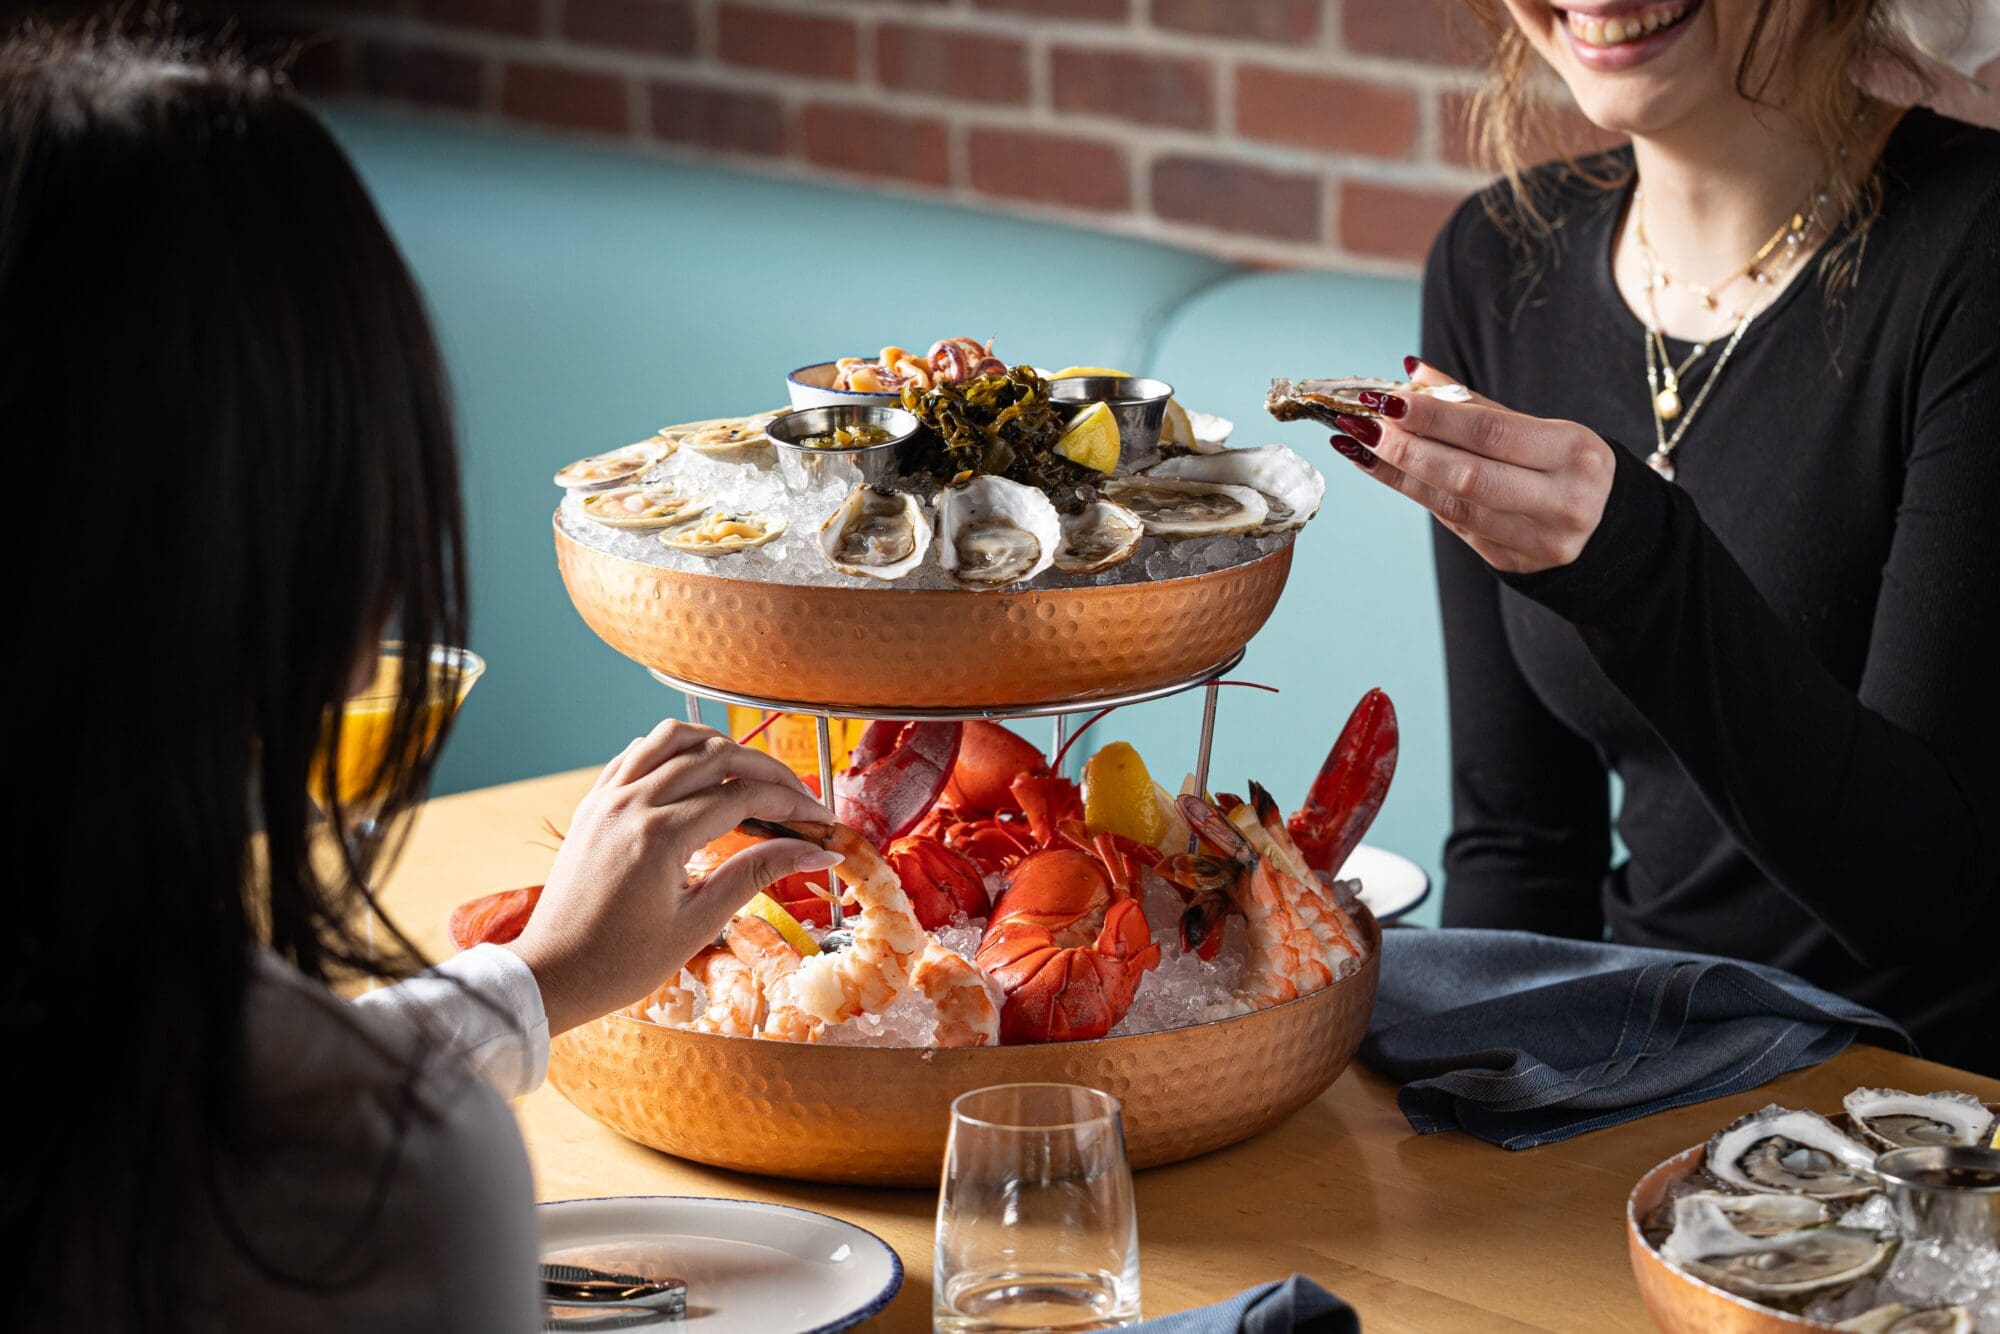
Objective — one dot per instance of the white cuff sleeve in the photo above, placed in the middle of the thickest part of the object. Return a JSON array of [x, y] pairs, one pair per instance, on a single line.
[[485, 1005]]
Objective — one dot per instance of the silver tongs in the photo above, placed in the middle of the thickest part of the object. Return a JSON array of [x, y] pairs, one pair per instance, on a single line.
[[610, 1300]]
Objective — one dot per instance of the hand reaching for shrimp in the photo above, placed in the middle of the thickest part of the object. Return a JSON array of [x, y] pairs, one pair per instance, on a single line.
[[1524, 492], [619, 912]]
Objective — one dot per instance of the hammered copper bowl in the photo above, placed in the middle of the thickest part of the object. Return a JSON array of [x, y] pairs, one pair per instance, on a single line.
[[1680, 1303], [895, 648], [878, 1115]]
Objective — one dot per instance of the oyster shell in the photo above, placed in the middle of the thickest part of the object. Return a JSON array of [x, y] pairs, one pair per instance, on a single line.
[[1896, 1318], [1182, 507], [618, 465], [722, 437], [651, 505], [722, 532], [1892, 1119], [877, 533], [1097, 537], [1323, 400], [1785, 1267], [1291, 487], [1782, 1152], [1766, 1215], [993, 533]]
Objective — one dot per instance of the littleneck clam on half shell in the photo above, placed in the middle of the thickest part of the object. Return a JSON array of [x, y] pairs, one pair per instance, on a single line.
[[1182, 507], [722, 437], [1291, 487], [1778, 1151], [1892, 1119], [650, 505], [876, 533], [722, 532], [616, 466], [1097, 537], [993, 533]]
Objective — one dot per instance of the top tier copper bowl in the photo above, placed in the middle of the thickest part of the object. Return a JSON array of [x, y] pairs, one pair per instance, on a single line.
[[891, 648]]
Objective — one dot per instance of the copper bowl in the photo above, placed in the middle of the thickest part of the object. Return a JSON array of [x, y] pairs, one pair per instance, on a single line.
[[878, 1115], [889, 648], [1680, 1303]]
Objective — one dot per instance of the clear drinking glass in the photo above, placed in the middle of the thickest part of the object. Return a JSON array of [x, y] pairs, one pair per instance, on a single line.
[[1036, 1227]]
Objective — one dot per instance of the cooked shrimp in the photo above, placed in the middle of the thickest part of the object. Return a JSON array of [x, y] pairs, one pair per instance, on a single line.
[[673, 1000], [1284, 957], [1264, 828], [868, 975], [967, 1016], [735, 1001]]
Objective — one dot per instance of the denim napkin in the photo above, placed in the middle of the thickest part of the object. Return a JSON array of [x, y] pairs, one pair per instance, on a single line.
[[1296, 1305], [1524, 1039]]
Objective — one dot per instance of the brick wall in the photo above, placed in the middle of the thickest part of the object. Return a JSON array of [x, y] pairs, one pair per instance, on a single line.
[[1320, 132]]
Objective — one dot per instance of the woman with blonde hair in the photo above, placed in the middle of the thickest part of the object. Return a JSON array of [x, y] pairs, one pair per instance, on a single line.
[[1720, 516]]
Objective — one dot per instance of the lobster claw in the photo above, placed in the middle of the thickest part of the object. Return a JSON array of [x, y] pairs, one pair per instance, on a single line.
[[1048, 801], [989, 759], [942, 884], [1350, 787], [896, 774]]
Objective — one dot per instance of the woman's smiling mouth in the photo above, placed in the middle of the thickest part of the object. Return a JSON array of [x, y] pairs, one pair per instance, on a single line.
[[1619, 36]]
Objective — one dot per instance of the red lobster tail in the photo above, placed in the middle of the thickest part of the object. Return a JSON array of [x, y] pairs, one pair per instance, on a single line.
[[896, 775]]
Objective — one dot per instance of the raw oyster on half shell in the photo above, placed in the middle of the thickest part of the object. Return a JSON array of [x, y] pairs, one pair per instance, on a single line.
[[1291, 487], [993, 533], [616, 466], [1182, 507], [1324, 400], [1766, 1215], [1784, 1152], [722, 532], [1783, 1267], [1892, 1119], [1896, 1318], [1097, 537], [876, 533]]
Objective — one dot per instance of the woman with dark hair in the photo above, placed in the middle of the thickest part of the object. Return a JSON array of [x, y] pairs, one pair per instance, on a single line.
[[200, 311], [1722, 522]]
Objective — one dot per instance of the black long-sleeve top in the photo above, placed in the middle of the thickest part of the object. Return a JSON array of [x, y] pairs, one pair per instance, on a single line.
[[1791, 656]]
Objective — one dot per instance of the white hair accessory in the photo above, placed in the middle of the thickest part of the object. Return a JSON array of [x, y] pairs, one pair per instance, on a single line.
[[1960, 34]]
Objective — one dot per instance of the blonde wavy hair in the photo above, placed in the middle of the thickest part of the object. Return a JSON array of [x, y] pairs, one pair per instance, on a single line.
[[1855, 44]]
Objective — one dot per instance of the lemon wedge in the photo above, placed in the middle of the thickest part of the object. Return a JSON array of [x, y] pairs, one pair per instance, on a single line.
[[1071, 372], [768, 908], [1118, 796], [1996, 1137], [1092, 439], [1177, 429]]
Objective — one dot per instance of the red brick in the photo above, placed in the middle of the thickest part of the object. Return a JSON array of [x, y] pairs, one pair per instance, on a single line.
[[788, 42], [1390, 221], [520, 17], [426, 74], [868, 142], [1337, 115], [1259, 20], [1437, 32], [1050, 169], [1148, 90], [1237, 197], [1571, 132], [568, 99], [952, 64], [1095, 11], [659, 27], [718, 118]]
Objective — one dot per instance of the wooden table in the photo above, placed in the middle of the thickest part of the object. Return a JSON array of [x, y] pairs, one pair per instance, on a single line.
[[1433, 1233]]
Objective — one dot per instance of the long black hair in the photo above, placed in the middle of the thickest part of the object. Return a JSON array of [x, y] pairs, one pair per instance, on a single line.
[[231, 452]]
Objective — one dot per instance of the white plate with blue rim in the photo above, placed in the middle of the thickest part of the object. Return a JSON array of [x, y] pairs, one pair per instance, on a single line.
[[750, 1268], [1391, 885]]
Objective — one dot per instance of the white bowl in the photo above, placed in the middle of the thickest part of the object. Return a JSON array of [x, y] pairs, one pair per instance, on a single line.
[[811, 387]]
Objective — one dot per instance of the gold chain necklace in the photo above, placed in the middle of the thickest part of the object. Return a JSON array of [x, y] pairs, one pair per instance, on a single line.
[[1663, 378]]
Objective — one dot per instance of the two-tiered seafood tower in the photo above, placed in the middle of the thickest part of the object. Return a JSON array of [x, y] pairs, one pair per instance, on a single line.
[[942, 543]]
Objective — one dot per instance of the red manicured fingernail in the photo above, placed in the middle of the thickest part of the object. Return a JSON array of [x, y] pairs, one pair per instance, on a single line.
[[1394, 406], [1410, 365], [1352, 451], [1365, 429]]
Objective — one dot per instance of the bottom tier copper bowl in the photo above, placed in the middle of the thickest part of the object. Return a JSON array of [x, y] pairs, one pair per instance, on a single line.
[[898, 648], [878, 1115]]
